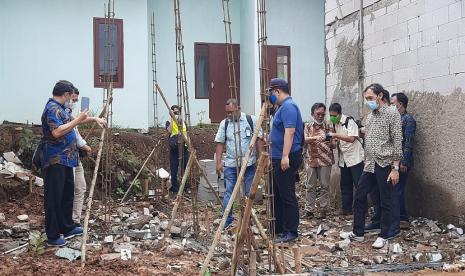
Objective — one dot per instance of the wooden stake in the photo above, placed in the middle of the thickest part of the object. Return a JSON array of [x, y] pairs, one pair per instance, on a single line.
[[90, 198], [245, 221], [234, 193], [297, 259], [140, 171], [179, 196], [146, 188], [253, 263]]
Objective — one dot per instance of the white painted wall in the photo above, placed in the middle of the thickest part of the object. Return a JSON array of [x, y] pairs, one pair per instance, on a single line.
[[48, 40], [202, 21], [300, 25]]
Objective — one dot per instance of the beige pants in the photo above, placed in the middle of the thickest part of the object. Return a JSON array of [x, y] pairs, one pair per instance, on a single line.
[[321, 176], [79, 192]]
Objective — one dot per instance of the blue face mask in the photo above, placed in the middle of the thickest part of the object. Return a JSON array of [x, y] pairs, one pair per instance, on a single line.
[[273, 99], [373, 105]]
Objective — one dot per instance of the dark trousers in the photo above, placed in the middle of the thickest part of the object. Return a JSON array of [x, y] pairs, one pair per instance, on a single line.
[[286, 207], [58, 200], [174, 166], [400, 190], [349, 179], [388, 201]]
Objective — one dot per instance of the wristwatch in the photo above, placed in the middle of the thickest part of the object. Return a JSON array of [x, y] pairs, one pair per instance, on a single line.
[[395, 167]]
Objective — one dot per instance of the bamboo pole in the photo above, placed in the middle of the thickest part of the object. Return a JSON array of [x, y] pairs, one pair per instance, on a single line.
[[259, 225], [297, 259], [102, 113], [179, 197], [234, 193], [140, 171], [253, 263], [91, 194], [245, 222]]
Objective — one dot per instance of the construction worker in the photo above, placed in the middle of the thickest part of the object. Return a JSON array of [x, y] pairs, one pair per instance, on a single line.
[[173, 129], [286, 157], [226, 140]]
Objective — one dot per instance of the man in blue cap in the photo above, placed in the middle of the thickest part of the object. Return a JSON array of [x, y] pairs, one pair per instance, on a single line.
[[286, 154]]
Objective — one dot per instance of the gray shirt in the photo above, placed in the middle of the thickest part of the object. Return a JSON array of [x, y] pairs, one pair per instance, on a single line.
[[383, 138]]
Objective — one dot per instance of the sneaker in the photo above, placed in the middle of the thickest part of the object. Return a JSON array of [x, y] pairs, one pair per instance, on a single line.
[[379, 243], [57, 242], [77, 231], [284, 238], [351, 236], [372, 227], [228, 225]]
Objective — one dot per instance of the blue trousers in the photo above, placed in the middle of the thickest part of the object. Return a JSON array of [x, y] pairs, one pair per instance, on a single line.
[[230, 178]]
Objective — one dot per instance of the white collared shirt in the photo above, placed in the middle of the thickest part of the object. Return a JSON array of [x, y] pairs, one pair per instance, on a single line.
[[353, 153]]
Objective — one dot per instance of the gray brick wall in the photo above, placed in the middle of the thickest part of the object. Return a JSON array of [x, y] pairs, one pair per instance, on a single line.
[[415, 46]]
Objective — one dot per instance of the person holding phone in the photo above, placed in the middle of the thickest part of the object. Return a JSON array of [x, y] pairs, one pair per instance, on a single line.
[[319, 160], [383, 153], [84, 150]]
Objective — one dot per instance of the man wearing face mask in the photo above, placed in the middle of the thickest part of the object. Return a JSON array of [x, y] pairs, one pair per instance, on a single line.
[[286, 156], [409, 125], [236, 145], [173, 129], [59, 157], [79, 178], [319, 160], [383, 151]]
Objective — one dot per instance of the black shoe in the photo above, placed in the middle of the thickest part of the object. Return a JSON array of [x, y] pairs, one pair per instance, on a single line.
[[288, 237]]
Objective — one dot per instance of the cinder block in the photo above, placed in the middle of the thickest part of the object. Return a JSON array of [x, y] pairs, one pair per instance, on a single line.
[[404, 3], [379, 12], [367, 3], [454, 47], [400, 46], [330, 43], [425, 21], [395, 32], [393, 7], [431, 5], [368, 26], [412, 26], [414, 41], [348, 8], [443, 49], [410, 86], [457, 64], [330, 5], [449, 30], [461, 45], [331, 79], [433, 69], [411, 11], [385, 79], [429, 36], [385, 21], [332, 56], [382, 51], [405, 75], [455, 11], [441, 16], [442, 84], [462, 23], [404, 60], [367, 55], [428, 54], [387, 64], [374, 67], [373, 39], [460, 81], [330, 16]]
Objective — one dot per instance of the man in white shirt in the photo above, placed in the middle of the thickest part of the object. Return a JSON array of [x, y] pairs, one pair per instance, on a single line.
[[350, 154]]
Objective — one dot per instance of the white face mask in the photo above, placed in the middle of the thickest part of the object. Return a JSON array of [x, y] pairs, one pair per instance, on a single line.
[[70, 105]]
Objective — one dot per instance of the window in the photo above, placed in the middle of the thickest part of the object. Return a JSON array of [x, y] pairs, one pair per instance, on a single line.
[[282, 61], [201, 71], [105, 62]]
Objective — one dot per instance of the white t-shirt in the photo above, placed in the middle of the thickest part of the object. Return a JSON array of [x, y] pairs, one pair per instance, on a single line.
[[349, 153]]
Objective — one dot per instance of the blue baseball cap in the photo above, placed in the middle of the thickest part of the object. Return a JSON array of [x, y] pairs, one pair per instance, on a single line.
[[279, 83]]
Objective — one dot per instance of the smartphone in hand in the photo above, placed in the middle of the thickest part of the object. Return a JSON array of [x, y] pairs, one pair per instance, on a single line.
[[85, 102]]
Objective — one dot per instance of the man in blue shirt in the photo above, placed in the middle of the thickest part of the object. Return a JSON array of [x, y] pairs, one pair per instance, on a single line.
[[286, 154], [59, 157], [234, 135]]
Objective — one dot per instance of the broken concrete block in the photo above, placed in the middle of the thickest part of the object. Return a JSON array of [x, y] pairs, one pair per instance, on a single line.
[[140, 234], [8, 245], [434, 227], [110, 256], [378, 259], [117, 247], [343, 244], [68, 253], [419, 257], [11, 157], [435, 257], [450, 227], [5, 233], [108, 239], [396, 248], [174, 251], [20, 230], [126, 254], [139, 222], [146, 212], [459, 231], [22, 217], [2, 217]]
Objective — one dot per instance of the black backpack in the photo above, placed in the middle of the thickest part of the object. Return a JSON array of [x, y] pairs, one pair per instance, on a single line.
[[226, 123]]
